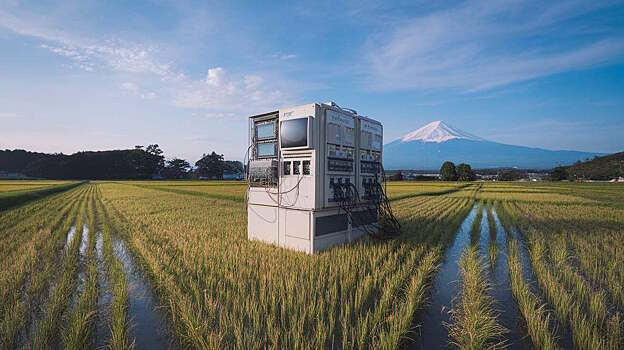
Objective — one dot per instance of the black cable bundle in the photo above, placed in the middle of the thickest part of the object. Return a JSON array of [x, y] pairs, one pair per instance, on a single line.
[[389, 225], [379, 208]]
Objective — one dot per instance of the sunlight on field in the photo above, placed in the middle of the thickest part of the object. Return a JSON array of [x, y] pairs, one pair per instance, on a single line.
[[8, 185], [221, 290]]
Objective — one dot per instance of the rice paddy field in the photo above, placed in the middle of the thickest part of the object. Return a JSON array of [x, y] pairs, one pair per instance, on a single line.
[[159, 264]]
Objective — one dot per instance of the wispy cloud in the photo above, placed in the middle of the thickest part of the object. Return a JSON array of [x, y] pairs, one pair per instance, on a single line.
[[219, 93], [9, 115], [481, 45], [222, 88]]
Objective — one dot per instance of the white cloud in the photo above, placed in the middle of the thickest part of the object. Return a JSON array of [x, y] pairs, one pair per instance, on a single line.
[[481, 45], [219, 93], [223, 92], [150, 95], [7, 115], [128, 86], [284, 56], [215, 76]]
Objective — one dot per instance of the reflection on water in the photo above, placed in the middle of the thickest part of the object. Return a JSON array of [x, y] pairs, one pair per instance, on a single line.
[[433, 333], [148, 325], [509, 315], [102, 322], [565, 335], [70, 237]]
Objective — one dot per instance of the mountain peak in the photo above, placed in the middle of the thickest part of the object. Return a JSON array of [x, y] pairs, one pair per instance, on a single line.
[[438, 131]]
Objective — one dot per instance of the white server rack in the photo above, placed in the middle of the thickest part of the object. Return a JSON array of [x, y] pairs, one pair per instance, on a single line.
[[313, 172]]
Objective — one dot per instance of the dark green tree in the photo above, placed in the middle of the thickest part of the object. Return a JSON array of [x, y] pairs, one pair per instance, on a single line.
[[176, 168], [509, 175], [448, 172], [559, 173], [233, 167], [210, 166], [149, 161], [464, 172]]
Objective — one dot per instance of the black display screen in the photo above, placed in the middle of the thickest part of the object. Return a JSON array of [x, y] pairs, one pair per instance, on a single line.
[[294, 133]]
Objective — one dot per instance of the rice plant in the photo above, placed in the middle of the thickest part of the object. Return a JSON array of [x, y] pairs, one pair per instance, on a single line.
[[474, 323], [215, 289]]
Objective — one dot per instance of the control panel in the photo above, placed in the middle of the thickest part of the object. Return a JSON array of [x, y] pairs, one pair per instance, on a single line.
[[263, 164], [340, 163], [369, 154]]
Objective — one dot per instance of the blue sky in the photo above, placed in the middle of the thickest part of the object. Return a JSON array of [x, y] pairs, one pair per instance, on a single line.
[[92, 75]]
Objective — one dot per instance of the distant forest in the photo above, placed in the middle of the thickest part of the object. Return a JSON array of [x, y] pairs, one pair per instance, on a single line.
[[138, 163], [600, 168]]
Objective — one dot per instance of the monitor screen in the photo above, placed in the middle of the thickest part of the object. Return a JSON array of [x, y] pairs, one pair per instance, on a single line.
[[294, 133], [265, 130], [265, 150]]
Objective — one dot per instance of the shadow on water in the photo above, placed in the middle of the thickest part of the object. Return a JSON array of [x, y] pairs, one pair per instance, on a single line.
[[509, 315], [433, 333], [148, 324], [102, 322]]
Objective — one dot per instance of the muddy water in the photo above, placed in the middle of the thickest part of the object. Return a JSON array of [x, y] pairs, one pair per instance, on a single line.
[[102, 322], [509, 315], [433, 334], [148, 324]]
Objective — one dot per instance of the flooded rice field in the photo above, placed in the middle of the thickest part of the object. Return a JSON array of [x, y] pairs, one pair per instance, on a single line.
[[147, 321], [155, 265]]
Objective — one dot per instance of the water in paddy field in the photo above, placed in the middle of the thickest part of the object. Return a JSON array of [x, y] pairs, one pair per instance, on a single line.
[[484, 237], [84, 241], [70, 236], [82, 274], [433, 334], [148, 324], [509, 315], [102, 322], [565, 336]]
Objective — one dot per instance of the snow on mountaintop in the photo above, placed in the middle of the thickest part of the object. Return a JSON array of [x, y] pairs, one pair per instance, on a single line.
[[438, 131]]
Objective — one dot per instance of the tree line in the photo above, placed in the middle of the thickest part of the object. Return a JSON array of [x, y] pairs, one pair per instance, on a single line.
[[600, 168], [462, 172], [141, 162]]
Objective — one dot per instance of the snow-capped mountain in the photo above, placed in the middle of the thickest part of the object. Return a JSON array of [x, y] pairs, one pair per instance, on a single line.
[[438, 131], [437, 142]]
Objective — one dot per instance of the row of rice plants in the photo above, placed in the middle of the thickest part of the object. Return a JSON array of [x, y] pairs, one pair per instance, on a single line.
[[474, 323], [493, 248], [29, 267], [118, 322], [223, 291], [536, 316], [13, 198], [79, 333], [46, 330], [578, 302]]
